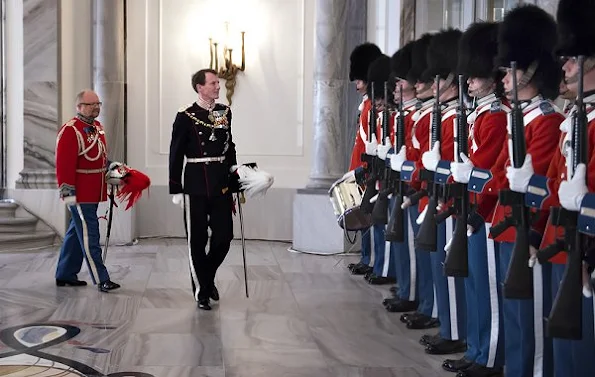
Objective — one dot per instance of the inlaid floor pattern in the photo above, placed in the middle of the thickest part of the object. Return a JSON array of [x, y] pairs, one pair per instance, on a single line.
[[306, 316]]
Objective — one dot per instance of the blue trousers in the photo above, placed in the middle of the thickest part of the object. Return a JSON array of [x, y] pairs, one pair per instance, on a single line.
[[485, 328], [383, 260], [366, 246], [526, 349], [574, 358], [449, 291], [82, 242], [405, 259]]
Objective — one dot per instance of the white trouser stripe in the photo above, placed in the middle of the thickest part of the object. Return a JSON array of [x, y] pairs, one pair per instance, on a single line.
[[189, 226], [412, 260], [93, 268], [435, 307], [494, 304], [537, 320], [452, 290], [386, 264]]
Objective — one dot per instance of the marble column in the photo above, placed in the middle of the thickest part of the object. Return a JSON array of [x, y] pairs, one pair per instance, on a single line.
[[40, 109], [407, 21], [339, 26], [109, 65], [13, 28]]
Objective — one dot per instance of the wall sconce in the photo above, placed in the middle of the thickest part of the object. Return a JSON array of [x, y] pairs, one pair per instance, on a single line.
[[228, 70]]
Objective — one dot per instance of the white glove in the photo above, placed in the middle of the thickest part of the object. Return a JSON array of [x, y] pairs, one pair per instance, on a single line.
[[518, 179], [448, 245], [371, 147], [572, 192], [178, 199], [422, 215], [470, 230], [587, 288], [373, 199], [397, 160], [461, 171], [406, 203], [384, 148], [532, 256], [431, 158]]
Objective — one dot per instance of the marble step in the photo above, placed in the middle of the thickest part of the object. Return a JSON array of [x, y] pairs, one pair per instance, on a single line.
[[7, 209], [26, 241], [19, 225]]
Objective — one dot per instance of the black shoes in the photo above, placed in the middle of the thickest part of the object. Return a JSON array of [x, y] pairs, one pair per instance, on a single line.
[[107, 286], [204, 304], [476, 370], [456, 365], [359, 268], [72, 283], [445, 347]]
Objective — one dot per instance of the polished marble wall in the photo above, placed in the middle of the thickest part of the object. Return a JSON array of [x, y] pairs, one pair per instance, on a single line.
[[40, 36]]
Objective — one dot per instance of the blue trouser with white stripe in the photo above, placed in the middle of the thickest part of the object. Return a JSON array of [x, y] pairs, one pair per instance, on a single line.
[[383, 264], [405, 259], [425, 281], [574, 358], [82, 241], [450, 291], [527, 351], [485, 329], [366, 246]]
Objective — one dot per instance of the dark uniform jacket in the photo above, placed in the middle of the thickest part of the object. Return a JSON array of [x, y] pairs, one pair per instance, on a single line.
[[198, 133]]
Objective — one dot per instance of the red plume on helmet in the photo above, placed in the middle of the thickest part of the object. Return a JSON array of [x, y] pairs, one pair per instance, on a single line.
[[131, 182]]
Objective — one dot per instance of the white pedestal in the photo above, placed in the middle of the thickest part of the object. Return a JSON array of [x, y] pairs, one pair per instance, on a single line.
[[315, 227]]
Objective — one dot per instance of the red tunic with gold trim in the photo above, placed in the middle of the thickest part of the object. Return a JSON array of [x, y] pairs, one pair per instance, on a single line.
[[487, 138], [81, 160], [542, 132]]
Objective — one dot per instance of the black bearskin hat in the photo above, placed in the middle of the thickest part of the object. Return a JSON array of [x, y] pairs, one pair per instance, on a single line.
[[400, 62], [528, 34], [576, 31], [477, 48], [442, 54], [361, 58], [378, 74], [419, 60]]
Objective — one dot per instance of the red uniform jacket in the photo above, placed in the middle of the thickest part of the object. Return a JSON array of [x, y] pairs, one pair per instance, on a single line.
[[558, 172], [81, 160], [359, 148], [487, 137], [542, 132], [446, 140]]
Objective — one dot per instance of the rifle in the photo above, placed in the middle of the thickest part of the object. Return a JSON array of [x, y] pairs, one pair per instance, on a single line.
[[370, 191], [395, 231], [565, 319], [426, 238], [380, 211], [518, 283], [456, 262]]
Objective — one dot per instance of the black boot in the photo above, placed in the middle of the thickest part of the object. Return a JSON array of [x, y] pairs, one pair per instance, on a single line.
[[456, 365], [72, 283], [446, 347], [477, 370], [204, 304]]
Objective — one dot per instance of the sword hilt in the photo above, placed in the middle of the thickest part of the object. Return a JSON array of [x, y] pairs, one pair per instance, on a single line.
[[242, 198]]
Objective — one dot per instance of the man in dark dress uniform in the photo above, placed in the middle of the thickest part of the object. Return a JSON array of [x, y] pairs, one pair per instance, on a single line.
[[202, 134]]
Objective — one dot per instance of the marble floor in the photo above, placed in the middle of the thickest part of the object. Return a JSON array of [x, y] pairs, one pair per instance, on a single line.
[[306, 316]]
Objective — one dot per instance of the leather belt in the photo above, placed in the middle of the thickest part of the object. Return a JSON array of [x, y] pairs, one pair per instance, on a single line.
[[90, 171], [205, 159]]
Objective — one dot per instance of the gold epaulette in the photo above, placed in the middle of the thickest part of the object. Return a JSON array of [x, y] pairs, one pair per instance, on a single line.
[[185, 107]]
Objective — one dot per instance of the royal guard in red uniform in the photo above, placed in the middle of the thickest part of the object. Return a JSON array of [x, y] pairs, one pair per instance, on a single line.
[[526, 36], [487, 134], [81, 165], [383, 271], [408, 163], [572, 358], [449, 291], [405, 292], [361, 58]]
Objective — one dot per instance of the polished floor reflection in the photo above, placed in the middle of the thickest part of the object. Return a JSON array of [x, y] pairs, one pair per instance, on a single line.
[[306, 316]]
